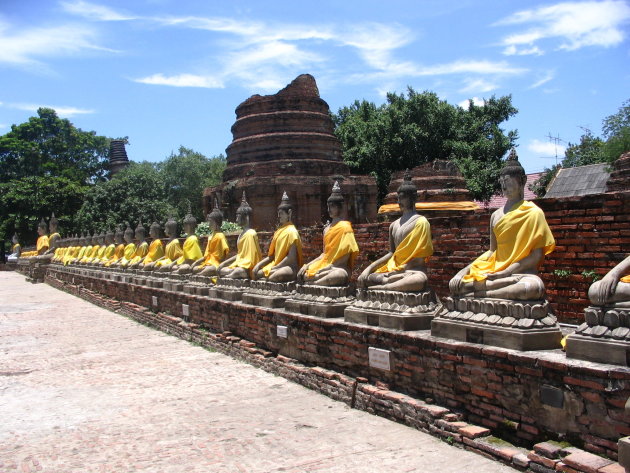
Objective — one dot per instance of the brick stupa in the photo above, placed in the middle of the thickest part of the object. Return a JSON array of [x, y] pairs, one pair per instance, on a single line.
[[619, 180], [285, 142]]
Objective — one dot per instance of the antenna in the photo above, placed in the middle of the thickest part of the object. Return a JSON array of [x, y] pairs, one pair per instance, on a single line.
[[556, 140]]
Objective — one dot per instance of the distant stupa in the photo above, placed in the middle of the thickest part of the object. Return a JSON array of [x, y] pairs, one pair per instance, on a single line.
[[118, 159]]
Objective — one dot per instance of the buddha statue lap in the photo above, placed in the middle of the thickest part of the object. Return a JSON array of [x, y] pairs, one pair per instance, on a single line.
[[119, 251], [173, 250], [142, 247], [191, 250], [156, 248], [216, 249]]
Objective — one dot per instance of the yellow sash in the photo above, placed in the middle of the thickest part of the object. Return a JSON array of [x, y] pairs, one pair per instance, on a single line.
[[216, 250], [192, 250], [42, 244], [156, 251], [338, 242], [625, 278], [417, 244], [130, 250], [172, 252], [119, 252], [140, 253], [108, 253], [283, 238], [248, 251], [519, 232]]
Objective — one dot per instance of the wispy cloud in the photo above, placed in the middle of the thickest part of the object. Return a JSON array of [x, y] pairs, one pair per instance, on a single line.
[[573, 25], [95, 12], [182, 80], [27, 46], [546, 149], [543, 80], [478, 86], [62, 111]]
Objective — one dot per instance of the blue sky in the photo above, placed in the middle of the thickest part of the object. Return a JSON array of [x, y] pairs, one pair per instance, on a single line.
[[168, 73]]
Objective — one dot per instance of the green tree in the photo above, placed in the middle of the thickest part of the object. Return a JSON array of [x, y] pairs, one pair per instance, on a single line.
[[588, 151], [416, 128], [616, 130]]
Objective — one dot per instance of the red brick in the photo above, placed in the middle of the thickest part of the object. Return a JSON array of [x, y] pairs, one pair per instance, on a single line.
[[586, 462], [473, 432]]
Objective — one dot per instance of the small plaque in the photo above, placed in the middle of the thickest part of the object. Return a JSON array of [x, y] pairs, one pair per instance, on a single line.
[[185, 310], [281, 331], [380, 358], [154, 300]]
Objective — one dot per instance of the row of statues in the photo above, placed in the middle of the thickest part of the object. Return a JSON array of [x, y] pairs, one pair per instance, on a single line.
[[519, 240]]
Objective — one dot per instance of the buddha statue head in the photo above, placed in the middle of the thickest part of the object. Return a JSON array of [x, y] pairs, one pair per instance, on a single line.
[[335, 201], [119, 236], [407, 193], [513, 177], [53, 223], [170, 228], [285, 209], [140, 232], [244, 212], [155, 230], [15, 239], [42, 228], [101, 238], [190, 222], [129, 233], [215, 218]]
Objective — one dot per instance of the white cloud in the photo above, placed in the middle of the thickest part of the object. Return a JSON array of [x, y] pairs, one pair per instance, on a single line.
[[476, 100], [574, 24], [182, 80], [25, 46], [546, 149], [478, 85], [543, 80], [94, 12], [62, 111]]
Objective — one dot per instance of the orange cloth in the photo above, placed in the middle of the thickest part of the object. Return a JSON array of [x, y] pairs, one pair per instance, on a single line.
[[216, 250], [417, 244], [625, 278], [283, 239], [119, 252], [338, 242], [465, 205], [42, 244], [156, 251]]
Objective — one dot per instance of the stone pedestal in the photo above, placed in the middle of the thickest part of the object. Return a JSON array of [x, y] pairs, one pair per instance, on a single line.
[[390, 309], [199, 285], [229, 289], [320, 301], [604, 337], [269, 294], [519, 325]]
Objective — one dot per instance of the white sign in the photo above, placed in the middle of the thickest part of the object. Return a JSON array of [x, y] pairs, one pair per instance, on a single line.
[[281, 331], [185, 311], [380, 358], [154, 300]]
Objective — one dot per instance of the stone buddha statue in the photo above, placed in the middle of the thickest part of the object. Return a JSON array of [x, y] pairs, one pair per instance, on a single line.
[[73, 256], [129, 249], [284, 258], [42, 240], [247, 247], [54, 237], [156, 248], [110, 248], [334, 265], [92, 242], [142, 247], [119, 241], [16, 249], [403, 268], [191, 251], [519, 240], [217, 247], [97, 242], [173, 250], [614, 288]]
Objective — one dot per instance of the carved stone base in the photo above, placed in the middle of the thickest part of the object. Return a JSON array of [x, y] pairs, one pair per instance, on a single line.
[[229, 289], [320, 301], [604, 337], [391, 309], [199, 285], [519, 325], [268, 294]]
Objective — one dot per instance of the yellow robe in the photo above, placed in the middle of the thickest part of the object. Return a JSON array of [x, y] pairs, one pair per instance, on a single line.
[[108, 253], [216, 250], [338, 242], [417, 244], [119, 252], [86, 254], [519, 232], [130, 250], [192, 250], [156, 251], [17, 247], [98, 255], [172, 253], [80, 253], [625, 278], [141, 252], [248, 251], [283, 238], [70, 255], [95, 249], [42, 244]]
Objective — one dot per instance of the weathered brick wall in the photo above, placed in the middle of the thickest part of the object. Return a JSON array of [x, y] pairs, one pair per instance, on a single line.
[[525, 397]]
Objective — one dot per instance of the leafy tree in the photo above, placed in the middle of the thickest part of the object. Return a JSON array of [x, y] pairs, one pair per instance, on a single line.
[[588, 151], [616, 129], [416, 128], [185, 175]]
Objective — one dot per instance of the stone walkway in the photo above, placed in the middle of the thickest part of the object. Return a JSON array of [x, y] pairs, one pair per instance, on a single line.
[[86, 390]]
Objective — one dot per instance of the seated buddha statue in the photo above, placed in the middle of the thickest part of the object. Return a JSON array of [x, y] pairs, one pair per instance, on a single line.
[[106, 250], [217, 247], [156, 248], [403, 268], [614, 288], [284, 257], [333, 267], [53, 239], [173, 250], [130, 248], [77, 252], [98, 247], [119, 251], [191, 250], [142, 247], [42, 240], [247, 247], [16, 249], [519, 240]]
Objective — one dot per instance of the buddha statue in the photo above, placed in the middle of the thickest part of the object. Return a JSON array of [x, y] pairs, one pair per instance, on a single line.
[[142, 247], [42, 240], [98, 251], [614, 288], [54, 237], [173, 250], [247, 247], [119, 252], [519, 240], [93, 252], [130, 248], [156, 248], [110, 248], [92, 242], [284, 257], [191, 251], [217, 247], [75, 249], [334, 265], [403, 268], [16, 249]]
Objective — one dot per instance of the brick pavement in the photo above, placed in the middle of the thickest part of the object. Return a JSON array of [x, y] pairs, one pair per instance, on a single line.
[[86, 390]]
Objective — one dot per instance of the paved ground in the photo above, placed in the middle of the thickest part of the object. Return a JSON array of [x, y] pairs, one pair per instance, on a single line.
[[85, 390]]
